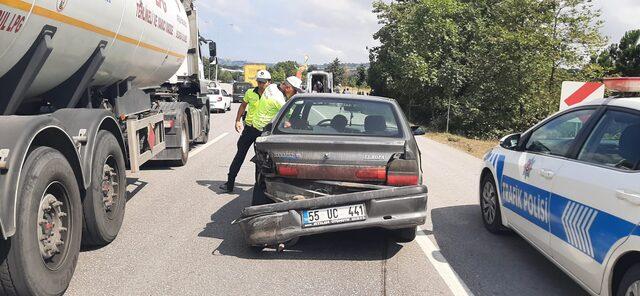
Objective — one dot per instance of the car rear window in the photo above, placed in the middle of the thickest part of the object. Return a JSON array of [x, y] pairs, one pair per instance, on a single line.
[[215, 91], [329, 116]]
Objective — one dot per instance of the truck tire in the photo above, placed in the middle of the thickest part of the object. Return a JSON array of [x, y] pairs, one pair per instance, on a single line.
[[104, 205], [490, 206], [41, 257], [630, 283], [405, 235], [184, 143]]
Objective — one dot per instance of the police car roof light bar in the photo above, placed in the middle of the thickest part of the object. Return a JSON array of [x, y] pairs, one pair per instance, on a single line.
[[623, 84]]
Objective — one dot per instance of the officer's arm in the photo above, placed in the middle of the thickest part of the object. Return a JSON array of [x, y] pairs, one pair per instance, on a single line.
[[243, 106]]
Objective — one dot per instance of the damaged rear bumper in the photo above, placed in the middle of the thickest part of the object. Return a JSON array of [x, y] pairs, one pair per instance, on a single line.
[[393, 208]]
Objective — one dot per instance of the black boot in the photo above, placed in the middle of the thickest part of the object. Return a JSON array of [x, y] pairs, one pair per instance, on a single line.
[[227, 187]]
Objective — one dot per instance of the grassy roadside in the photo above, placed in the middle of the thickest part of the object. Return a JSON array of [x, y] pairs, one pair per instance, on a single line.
[[474, 147]]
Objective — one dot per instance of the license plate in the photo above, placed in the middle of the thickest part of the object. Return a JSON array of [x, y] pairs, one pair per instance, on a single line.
[[334, 215]]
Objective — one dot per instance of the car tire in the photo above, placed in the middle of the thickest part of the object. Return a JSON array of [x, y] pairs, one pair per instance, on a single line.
[[490, 206], [48, 188], [104, 205], [405, 235], [630, 282], [229, 107]]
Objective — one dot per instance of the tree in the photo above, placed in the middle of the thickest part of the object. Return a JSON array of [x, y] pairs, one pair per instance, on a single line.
[[622, 59], [312, 68], [495, 66], [281, 70], [361, 78], [338, 71]]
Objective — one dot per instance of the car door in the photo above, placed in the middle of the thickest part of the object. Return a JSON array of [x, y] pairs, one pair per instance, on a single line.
[[596, 197], [528, 174]]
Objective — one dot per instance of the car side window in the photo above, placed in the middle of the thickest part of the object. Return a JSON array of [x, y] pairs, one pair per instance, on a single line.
[[615, 142], [224, 93], [556, 136]]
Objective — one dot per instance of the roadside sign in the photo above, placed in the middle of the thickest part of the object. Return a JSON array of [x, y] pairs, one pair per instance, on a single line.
[[577, 92]]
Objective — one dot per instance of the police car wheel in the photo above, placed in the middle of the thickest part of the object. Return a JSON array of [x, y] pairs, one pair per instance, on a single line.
[[630, 283], [490, 206]]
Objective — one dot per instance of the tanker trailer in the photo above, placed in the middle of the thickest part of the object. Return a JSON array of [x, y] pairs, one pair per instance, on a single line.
[[78, 105]]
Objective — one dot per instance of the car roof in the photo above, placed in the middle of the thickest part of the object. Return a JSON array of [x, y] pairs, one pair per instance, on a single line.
[[343, 97], [631, 103]]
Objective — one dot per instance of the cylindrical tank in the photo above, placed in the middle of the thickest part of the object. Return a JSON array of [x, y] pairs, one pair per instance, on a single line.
[[146, 39]]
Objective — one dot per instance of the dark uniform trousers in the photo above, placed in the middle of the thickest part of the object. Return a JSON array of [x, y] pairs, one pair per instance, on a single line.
[[248, 137]]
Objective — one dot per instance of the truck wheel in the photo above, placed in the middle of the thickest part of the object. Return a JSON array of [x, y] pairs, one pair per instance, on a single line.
[[104, 205], [405, 235], [630, 283], [490, 206], [41, 257], [184, 143]]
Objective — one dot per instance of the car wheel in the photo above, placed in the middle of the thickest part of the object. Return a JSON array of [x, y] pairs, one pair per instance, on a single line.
[[229, 107], [405, 235], [630, 283], [104, 205], [41, 257], [490, 206]]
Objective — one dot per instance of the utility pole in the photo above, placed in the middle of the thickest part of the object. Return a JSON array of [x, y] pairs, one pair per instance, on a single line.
[[448, 114]]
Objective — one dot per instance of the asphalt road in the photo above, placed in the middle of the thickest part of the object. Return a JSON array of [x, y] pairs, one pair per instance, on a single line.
[[177, 240]]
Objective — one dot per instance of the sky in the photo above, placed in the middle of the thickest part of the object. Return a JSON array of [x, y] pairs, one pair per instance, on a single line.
[[279, 30]]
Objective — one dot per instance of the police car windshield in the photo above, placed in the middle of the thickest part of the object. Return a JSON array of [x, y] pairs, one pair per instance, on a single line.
[[325, 116]]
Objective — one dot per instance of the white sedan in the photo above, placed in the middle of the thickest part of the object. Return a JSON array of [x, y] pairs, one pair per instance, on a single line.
[[219, 100], [571, 187]]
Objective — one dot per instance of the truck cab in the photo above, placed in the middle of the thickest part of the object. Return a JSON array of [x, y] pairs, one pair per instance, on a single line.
[[320, 82]]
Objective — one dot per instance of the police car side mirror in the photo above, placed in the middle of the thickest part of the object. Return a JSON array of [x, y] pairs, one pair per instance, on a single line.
[[510, 142]]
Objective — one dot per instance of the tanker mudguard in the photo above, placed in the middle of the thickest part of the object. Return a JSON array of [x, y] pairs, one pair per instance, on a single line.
[[20, 133], [83, 126], [17, 135]]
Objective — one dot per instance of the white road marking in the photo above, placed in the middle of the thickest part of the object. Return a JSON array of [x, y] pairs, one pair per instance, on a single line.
[[450, 277], [205, 146]]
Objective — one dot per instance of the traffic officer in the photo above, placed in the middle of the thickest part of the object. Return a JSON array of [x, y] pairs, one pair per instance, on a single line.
[[274, 98], [249, 133]]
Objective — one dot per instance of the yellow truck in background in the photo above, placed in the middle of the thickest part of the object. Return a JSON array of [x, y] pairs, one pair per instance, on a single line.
[[250, 71]]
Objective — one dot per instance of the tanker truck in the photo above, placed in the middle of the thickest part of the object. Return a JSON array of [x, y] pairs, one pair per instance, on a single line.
[[86, 91]]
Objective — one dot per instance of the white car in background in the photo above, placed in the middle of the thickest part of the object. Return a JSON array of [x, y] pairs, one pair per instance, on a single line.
[[571, 187], [219, 100]]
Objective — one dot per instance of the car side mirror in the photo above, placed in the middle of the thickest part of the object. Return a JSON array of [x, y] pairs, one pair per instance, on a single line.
[[511, 141], [213, 52], [417, 130]]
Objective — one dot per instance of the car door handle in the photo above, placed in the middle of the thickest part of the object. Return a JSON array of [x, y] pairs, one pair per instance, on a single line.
[[631, 197], [547, 174]]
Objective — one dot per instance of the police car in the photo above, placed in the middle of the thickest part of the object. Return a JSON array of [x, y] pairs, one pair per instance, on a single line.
[[571, 187]]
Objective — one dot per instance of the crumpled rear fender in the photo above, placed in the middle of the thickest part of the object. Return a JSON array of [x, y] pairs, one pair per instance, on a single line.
[[392, 208]]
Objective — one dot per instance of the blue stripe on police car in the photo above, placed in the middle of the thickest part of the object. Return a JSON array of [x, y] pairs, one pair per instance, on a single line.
[[591, 231]]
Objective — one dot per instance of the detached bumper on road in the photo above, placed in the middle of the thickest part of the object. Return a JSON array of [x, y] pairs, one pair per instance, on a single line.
[[393, 208]]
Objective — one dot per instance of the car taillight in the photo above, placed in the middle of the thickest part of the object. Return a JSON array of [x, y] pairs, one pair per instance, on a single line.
[[219, 99], [370, 174], [402, 179], [403, 172], [287, 171]]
